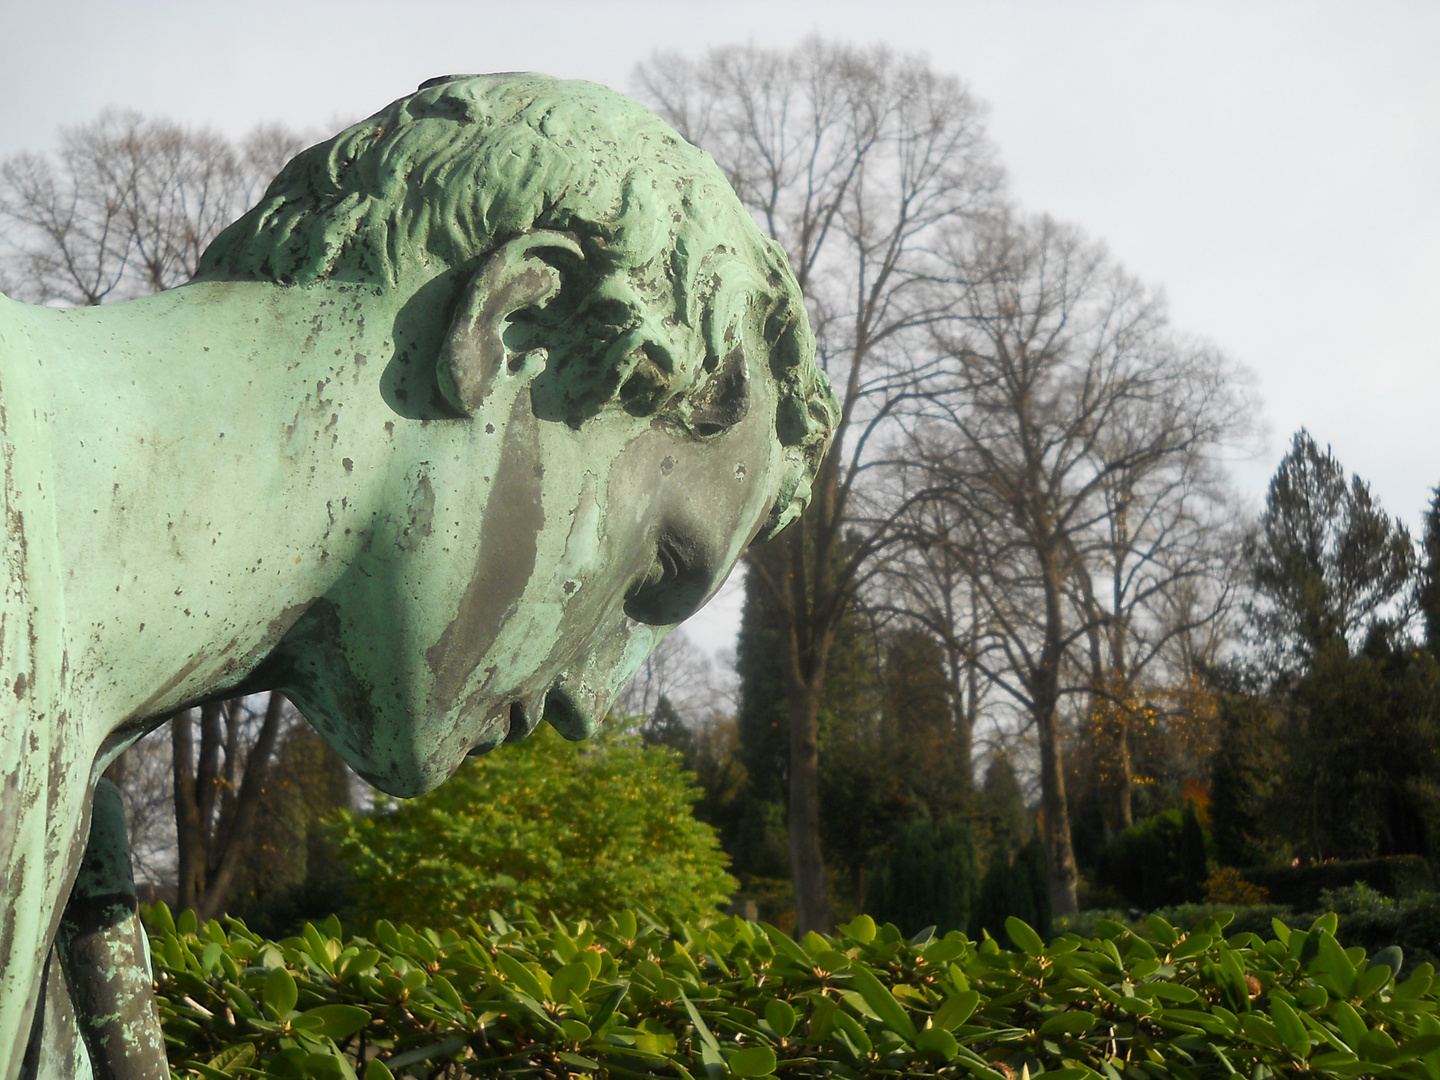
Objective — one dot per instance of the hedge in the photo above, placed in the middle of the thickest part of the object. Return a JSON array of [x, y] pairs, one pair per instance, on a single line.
[[1299, 887], [635, 996]]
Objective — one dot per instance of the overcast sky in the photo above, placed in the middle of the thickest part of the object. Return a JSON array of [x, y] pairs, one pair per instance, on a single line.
[[1274, 167]]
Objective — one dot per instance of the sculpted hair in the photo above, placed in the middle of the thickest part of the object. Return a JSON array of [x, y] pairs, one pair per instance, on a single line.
[[655, 314]]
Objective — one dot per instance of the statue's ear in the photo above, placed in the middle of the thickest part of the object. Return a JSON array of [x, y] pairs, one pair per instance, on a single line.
[[513, 277]]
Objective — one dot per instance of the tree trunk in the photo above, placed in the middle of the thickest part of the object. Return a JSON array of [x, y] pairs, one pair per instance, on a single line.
[[212, 826], [189, 832], [233, 832], [1125, 768], [967, 713], [806, 603], [807, 864], [1059, 854]]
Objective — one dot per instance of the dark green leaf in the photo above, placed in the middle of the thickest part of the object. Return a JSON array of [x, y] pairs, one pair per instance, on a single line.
[[1067, 1023], [879, 998], [1024, 937], [955, 1010], [780, 1016], [752, 1061], [937, 1043], [280, 994], [333, 1021]]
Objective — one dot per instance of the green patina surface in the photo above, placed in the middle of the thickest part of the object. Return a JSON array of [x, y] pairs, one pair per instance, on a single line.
[[489, 392]]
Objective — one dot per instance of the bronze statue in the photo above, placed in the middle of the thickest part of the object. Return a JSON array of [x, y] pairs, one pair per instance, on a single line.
[[489, 392]]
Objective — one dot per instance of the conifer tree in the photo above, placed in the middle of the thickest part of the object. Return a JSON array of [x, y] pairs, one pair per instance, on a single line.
[[929, 877], [1428, 594], [1328, 565]]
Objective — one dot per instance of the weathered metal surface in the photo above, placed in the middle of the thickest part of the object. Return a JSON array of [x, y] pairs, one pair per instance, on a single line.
[[101, 951], [488, 393]]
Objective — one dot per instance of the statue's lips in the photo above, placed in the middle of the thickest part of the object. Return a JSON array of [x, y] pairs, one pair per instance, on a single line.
[[519, 718]]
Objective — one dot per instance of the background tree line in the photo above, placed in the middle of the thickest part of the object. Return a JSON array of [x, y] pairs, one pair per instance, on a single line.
[[1025, 524], [1026, 636]]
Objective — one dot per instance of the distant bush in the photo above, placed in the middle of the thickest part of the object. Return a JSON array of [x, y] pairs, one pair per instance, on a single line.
[[1300, 887], [1377, 922], [1258, 919], [1228, 886], [634, 996], [1364, 917], [562, 827], [1357, 899]]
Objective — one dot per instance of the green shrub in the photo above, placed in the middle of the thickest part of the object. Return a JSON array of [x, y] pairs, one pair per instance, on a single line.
[[1399, 876], [1255, 919], [929, 878], [631, 996], [1376, 922], [563, 827], [1365, 918]]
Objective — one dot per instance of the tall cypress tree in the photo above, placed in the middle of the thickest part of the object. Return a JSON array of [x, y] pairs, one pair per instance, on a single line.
[[763, 720], [929, 877], [1246, 776], [1194, 864], [1018, 887], [1428, 593]]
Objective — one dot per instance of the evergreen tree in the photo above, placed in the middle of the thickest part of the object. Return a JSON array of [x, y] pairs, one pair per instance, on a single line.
[[1245, 781], [1365, 754], [1000, 808], [1194, 862], [916, 689], [918, 724], [864, 790], [665, 727], [1328, 561], [763, 727], [1017, 886], [929, 877], [1428, 593], [1147, 863], [754, 830]]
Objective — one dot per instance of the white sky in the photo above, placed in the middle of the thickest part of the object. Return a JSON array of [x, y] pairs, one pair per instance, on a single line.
[[1275, 167]]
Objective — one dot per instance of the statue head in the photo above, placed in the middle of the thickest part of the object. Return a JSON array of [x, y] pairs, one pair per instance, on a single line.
[[614, 375]]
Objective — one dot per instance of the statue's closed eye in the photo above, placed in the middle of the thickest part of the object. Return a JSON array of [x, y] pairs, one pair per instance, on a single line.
[[676, 584], [723, 401]]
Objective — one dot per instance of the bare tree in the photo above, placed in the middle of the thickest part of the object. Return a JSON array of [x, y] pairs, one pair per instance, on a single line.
[[1154, 591], [127, 205], [851, 159], [931, 584], [145, 775], [679, 672], [217, 791], [124, 209], [1077, 440]]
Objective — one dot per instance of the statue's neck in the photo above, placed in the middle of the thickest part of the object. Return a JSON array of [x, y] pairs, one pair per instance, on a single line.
[[216, 455]]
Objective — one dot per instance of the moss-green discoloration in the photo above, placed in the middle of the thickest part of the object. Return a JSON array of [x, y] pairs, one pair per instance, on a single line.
[[490, 391]]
